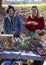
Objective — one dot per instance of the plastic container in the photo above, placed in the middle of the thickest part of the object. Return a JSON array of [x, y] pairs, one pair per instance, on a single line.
[[32, 33]]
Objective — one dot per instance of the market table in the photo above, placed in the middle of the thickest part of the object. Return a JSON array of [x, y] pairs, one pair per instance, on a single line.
[[21, 54]]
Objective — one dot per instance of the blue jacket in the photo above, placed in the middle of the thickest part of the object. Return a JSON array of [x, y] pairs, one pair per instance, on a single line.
[[15, 25]]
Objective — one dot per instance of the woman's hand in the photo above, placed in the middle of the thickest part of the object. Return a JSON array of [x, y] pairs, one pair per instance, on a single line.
[[31, 22], [27, 22], [34, 23]]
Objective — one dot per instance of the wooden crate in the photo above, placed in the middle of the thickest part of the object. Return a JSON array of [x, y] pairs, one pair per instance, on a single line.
[[6, 40]]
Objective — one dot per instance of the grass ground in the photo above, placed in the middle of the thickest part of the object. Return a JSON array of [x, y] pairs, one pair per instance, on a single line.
[[26, 5]]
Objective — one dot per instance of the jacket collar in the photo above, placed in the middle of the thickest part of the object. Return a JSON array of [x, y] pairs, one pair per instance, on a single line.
[[9, 17]]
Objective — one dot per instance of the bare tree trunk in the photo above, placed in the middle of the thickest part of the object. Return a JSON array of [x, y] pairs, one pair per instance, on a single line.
[[2, 12], [0, 4]]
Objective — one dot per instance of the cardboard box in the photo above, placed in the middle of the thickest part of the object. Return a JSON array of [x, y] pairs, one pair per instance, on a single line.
[[40, 37]]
